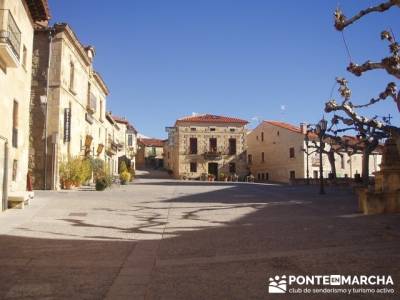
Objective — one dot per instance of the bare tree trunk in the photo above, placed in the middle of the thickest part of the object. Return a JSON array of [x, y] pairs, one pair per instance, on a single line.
[[331, 158], [365, 165]]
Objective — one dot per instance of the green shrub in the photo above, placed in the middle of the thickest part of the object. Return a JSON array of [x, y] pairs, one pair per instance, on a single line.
[[124, 177], [122, 167]]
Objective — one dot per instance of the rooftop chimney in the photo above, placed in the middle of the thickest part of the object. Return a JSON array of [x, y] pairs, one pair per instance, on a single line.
[[303, 128]]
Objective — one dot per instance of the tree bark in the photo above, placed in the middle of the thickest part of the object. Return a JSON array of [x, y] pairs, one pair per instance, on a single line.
[[365, 165], [331, 158]]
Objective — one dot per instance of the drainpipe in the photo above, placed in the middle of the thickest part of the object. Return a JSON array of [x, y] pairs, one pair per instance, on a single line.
[[47, 108], [5, 174]]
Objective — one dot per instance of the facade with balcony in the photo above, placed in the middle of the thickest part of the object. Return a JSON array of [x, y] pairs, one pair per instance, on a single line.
[[207, 144], [127, 136], [17, 21], [68, 117], [276, 153]]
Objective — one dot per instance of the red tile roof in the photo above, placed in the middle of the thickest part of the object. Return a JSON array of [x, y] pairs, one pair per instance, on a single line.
[[289, 127], [207, 118], [284, 125], [152, 142], [122, 120]]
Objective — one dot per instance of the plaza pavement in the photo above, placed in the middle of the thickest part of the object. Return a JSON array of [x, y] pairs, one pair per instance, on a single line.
[[165, 239]]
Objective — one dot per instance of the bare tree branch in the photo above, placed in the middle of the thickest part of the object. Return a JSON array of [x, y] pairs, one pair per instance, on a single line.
[[390, 91], [341, 22], [391, 64]]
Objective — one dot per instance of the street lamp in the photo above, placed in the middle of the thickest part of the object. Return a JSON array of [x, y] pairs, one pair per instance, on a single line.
[[307, 153], [321, 129]]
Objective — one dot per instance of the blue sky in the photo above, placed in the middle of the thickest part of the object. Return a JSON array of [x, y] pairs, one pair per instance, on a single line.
[[250, 59]]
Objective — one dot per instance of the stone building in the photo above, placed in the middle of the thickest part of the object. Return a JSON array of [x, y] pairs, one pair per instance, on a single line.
[[112, 145], [276, 153], [17, 21], [150, 153], [67, 106], [207, 144], [127, 135]]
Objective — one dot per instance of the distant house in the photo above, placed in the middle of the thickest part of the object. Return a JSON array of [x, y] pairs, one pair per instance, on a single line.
[[128, 140], [276, 153], [150, 153], [207, 144]]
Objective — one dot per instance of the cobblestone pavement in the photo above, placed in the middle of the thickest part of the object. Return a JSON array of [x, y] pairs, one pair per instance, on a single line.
[[165, 239]]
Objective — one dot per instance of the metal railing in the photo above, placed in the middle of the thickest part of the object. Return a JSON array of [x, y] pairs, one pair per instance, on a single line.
[[9, 31]]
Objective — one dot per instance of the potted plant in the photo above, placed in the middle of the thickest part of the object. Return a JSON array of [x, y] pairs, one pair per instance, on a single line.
[[66, 177], [101, 184], [222, 177]]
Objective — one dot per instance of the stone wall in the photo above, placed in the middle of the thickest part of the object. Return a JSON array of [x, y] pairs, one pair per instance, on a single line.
[[181, 158], [15, 85]]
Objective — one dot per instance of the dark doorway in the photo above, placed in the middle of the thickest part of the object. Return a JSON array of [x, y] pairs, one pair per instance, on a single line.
[[213, 169]]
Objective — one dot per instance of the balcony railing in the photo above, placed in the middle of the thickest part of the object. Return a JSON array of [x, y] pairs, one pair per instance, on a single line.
[[10, 35], [212, 155]]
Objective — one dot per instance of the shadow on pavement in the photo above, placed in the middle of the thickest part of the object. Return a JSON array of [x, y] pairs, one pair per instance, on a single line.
[[225, 249]]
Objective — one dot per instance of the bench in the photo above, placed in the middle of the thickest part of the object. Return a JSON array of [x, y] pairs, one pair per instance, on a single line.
[[19, 199]]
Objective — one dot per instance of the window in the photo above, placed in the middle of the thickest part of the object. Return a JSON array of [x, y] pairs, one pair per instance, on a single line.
[[213, 145], [277, 133], [212, 129], [266, 176], [315, 174], [193, 167], [89, 89], [259, 176], [14, 170], [291, 152], [193, 129], [193, 146], [292, 174], [15, 125], [262, 157], [262, 136], [263, 176], [72, 76], [249, 159], [232, 168], [342, 162], [232, 130], [130, 140], [232, 146], [24, 57], [101, 110]]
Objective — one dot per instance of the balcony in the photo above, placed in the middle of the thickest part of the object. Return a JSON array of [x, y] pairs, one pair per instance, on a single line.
[[212, 155], [112, 148], [10, 39], [92, 103]]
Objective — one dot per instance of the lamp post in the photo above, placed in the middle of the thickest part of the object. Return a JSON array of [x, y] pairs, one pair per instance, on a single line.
[[321, 129], [307, 153]]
